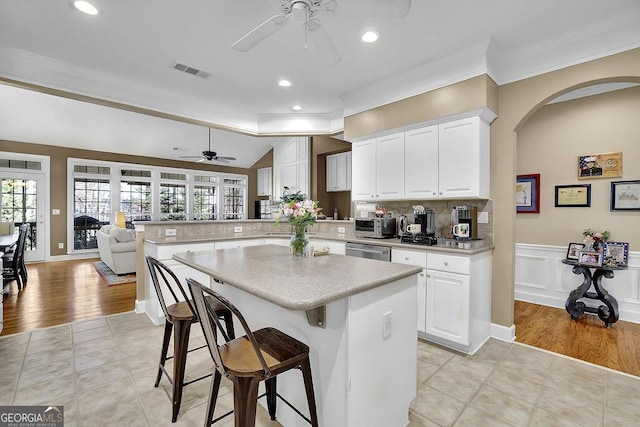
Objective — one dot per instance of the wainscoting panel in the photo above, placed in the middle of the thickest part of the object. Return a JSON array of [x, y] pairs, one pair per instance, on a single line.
[[542, 278]]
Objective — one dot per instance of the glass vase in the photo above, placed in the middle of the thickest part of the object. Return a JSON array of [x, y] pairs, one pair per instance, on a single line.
[[299, 240]]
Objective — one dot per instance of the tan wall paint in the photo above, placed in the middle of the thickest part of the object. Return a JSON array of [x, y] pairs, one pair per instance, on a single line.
[[467, 95], [58, 179], [518, 101], [550, 142], [328, 201]]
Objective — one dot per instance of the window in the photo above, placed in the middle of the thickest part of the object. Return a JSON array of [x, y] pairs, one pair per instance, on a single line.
[[172, 202], [91, 209], [19, 205], [135, 200], [234, 198]]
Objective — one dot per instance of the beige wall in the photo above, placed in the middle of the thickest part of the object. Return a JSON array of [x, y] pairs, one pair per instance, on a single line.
[[518, 101], [58, 158], [549, 144]]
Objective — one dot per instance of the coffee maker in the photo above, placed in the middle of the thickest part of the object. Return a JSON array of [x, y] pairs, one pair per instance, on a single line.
[[425, 218], [466, 214]]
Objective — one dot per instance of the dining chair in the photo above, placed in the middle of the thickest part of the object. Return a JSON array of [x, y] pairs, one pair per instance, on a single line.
[[256, 356], [179, 314], [13, 264]]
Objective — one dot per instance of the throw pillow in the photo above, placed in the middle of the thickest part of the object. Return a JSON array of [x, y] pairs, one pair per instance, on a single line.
[[120, 234]]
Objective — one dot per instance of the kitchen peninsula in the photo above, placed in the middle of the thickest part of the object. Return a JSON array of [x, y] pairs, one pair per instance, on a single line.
[[364, 373]]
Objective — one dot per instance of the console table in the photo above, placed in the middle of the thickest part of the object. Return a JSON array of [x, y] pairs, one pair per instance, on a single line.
[[608, 312]]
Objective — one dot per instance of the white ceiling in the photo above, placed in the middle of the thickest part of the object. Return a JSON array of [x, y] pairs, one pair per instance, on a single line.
[[126, 53]]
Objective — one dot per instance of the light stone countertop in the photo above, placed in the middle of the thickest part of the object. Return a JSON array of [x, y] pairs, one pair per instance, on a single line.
[[270, 272]]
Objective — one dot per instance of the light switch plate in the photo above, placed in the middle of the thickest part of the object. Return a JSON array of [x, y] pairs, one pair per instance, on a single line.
[[55, 211], [170, 232], [483, 217], [341, 230]]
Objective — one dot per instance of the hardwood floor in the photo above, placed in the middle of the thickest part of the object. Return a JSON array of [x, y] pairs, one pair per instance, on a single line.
[[585, 339], [62, 292], [66, 291]]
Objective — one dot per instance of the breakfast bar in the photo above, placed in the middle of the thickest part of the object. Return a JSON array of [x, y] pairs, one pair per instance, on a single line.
[[358, 317]]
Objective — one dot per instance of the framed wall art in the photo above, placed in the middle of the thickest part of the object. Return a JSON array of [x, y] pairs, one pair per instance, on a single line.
[[607, 165], [528, 193], [573, 251], [617, 251], [590, 259], [625, 196], [573, 196]]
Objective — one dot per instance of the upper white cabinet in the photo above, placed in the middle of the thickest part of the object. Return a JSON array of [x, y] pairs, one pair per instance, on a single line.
[[463, 158], [291, 165], [339, 172], [264, 182], [377, 166], [444, 161]]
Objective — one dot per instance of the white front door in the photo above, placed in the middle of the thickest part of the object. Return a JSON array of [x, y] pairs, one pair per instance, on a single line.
[[22, 201]]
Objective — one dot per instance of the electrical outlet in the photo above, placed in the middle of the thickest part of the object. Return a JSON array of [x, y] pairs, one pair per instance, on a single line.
[[483, 217], [170, 232], [55, 211], [237, 229], [341, 230], [386, 325], [60, 245]]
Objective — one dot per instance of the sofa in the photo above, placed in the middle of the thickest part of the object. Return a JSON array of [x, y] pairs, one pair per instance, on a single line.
[[117, 248]]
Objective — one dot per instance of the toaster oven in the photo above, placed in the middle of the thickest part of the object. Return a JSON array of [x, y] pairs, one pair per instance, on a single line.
[[376, 228]]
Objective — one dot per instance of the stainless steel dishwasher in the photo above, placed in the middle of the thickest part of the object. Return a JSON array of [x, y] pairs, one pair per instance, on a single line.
[[366, 250]]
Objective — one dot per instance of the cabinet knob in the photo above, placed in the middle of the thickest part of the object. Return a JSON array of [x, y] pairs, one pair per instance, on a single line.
[[441, 193], [446, 263], [422, 274], [406, 258]]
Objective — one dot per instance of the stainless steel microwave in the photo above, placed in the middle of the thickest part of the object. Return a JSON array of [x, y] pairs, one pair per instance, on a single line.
[[377, 228]]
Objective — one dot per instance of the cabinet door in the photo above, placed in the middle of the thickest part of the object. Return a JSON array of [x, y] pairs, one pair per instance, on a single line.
[[420, 259], [332, 174], [363, 170], [390, 167], [447, 306], [264, 182], [339, 172], [460, 160], [421, 163]]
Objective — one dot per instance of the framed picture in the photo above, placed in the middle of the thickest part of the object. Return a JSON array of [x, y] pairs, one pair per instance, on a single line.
[[591, 259], [618, 251], [573, 195], [625, 196], [607, 165], [573, 251], [528, 193]]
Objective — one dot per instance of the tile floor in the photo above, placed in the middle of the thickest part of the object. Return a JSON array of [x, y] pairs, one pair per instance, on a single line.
[[103, 370]]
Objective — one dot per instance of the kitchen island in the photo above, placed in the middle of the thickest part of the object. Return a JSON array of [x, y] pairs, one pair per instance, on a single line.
[[358, 317]]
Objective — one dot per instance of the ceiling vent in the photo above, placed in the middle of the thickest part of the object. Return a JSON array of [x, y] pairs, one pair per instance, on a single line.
[[190, 70]]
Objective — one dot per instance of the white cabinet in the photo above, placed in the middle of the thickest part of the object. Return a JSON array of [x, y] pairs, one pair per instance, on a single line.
[[463, 158], [339, 172], [264, 182], [420, 259], [291, 165], [377, 168], [421, 163], [338, 248], [458, 300]]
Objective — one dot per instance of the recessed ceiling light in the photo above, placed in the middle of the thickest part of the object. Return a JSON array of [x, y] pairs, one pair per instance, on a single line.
[[284, 83], [370, 37], [85, 7], [296, 108]]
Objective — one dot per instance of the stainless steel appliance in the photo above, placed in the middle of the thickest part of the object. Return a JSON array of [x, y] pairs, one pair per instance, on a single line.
[[426, 217], [366, 250], [377, 228], [466, 214]]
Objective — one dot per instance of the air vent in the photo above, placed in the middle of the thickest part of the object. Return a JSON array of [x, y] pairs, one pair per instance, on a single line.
[[190, 70]]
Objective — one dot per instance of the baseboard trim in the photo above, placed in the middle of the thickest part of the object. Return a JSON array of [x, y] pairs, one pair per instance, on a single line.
[[139, 307], [503, 333]]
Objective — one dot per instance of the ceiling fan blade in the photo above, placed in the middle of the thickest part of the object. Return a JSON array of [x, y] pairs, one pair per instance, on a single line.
[[322, 42], [261, 32], [224, 158], [388, 8], [190, 157], [221, 159]]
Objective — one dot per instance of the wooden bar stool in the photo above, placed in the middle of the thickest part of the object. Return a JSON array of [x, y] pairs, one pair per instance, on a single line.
[[247, 360], [179, 315]]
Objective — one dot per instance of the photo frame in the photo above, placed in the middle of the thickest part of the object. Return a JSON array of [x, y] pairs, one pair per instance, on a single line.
[[618, 251], [528, 193], [606, 165], [573, 251], [590, 258], [625, 196], [573, 196]]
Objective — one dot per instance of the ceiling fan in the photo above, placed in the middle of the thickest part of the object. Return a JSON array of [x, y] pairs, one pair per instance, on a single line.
[[209, 155], [306, 11]]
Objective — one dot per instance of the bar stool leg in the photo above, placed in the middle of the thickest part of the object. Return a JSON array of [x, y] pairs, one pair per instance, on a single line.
[[245, 399], [270, 386], [305, 367], [180, 347], [213, 397], [168, 327]]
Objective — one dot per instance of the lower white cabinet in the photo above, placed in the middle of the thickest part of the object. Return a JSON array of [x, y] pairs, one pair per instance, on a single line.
[[419, 259], [448, 306]]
